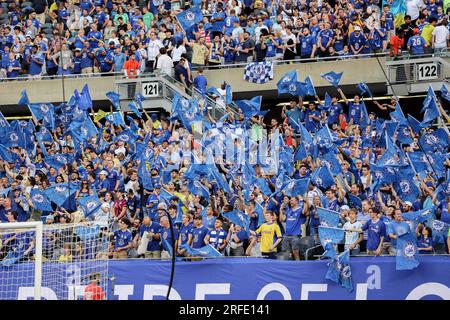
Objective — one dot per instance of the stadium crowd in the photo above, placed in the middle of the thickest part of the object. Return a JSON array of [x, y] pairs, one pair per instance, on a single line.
[[68, 165], [46, 37]]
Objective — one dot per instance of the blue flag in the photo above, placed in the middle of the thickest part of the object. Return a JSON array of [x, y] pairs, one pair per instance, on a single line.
[[39, 110], [295, 187], [437, 140], [56, 161], [415, 124], [139, 98], [40, 201], [189, 17], [440, 230], [322, 178], [329, 159], [239, 218], [430, 107], [332, 77], [404, 134], [309, 87], [89, 204], [132, 106], [23, 98], [418, 160], [420, 216], [167, 246], [59, 193], [328, 218], [406, 258], [197, 188], [5, 154], [445, 94], [145, 175], [364, 89], [259, 210], [116, 118], [405, 186], [114, 98], [354, 201], [262, 185], [328, 234], [345, 271], [83, 100], [258, 72], [207, 251], [397, 114], [285, 81]]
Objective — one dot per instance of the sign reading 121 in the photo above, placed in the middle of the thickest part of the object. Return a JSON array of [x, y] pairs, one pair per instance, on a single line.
[[150, 89]]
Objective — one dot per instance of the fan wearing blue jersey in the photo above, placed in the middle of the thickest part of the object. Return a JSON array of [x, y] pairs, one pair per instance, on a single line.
[[354, 108], [122, 240], [199, 232], [294, 217], [395, 229], [185, 234], [152, 231], [217, 237], [376, 231], [417, 44]]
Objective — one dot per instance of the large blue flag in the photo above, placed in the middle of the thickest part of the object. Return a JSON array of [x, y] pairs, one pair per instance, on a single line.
[[328, 234], [285, 81], [40, 200], [14, 138], [188, 18], [295, 187], [116, 118], [322, 178], [83, 100], [420, 216], [354, 201], [405, 186], [329, 159], [5, 154], [309, 87], [418, 160], [440, 230], [207, 251], [114, 97], [437, 140], [196, 187], [239, 218], [39, 110], [404, 134], [328, 218], [59, 193], [89, 204], [56, 161], [262, 185], [332, 77], [406, 258], [339, 270]]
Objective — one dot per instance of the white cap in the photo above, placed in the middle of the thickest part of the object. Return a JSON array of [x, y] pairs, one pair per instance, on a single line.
[[106, 205], [408, 203], [103, 172], [345, 207], [357, 28]]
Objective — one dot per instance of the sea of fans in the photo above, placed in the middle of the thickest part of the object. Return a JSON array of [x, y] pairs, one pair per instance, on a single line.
[[139, 177], [47, 37]]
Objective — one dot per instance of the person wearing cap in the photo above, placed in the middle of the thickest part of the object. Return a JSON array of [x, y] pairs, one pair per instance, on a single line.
[[104, 184], [353, 234], [357, 41], [416, 44], [149, 235]]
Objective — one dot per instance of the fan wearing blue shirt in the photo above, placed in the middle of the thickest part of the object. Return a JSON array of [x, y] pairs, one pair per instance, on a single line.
[[425, 242], [36, 61], [334, 111], [229, 22], [324, 40], [312, 118], [417, 44], [307, 44], [185, 234], [376, 231], [200, 81], [354, 108], [13, 67], [199, 232], [356, 41], [151, 230], [294, 217], [166, 233], [217, 236], [122, 240], [94, 36], [396, 228], [218, 21]]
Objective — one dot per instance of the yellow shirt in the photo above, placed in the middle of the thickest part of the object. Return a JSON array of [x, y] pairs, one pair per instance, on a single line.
[[427, 33], [199, 53], [65, 258], [268, 232]]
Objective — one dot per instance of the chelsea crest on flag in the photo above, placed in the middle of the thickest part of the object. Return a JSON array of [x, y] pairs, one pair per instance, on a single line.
[[259, 72]]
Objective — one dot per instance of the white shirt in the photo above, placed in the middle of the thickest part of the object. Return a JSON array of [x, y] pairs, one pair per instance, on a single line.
[[413, 8], [351, 237], [165, 63], [441, 34], [153, 49], [177, 52]]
